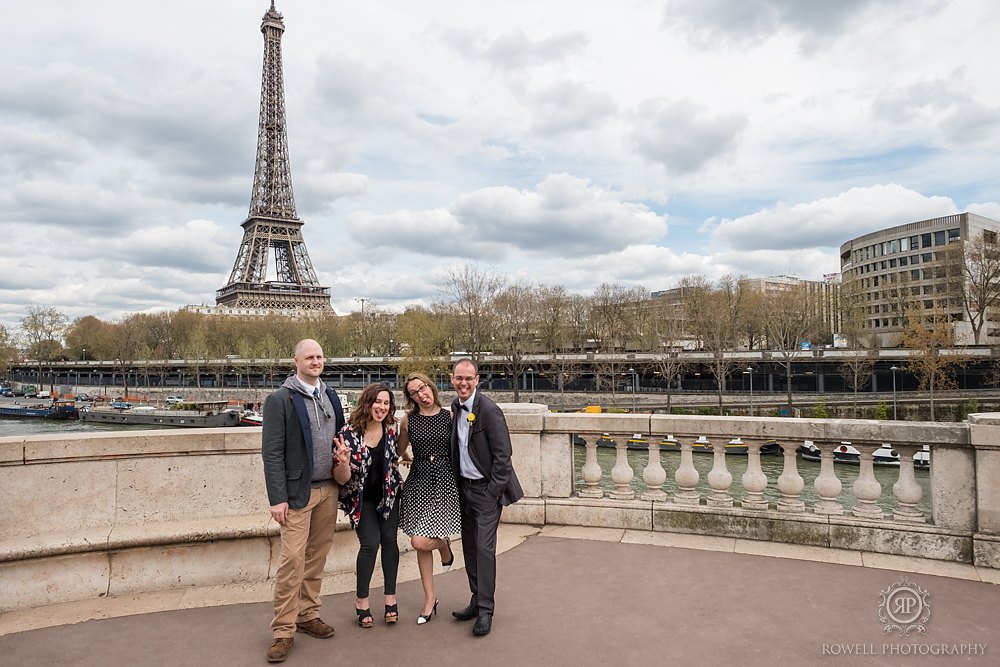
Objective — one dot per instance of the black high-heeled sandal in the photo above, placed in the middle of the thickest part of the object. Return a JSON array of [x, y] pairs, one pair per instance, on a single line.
[[425, 618], [394, 610], [446, 565], [365, 618]]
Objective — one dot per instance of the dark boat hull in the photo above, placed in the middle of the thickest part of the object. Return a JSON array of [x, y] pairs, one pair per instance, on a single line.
[[163, 418]]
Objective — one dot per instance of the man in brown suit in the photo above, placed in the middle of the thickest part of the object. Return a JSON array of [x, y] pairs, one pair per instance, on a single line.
[[480, 455]]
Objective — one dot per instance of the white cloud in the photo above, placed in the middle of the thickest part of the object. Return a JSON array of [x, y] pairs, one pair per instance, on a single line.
[[830, 221], [553, 143]]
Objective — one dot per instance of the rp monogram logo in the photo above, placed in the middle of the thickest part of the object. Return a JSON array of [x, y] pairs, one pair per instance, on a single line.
[[904, 607]]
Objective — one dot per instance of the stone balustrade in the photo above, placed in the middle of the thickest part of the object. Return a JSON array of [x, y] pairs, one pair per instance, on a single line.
[[97, 514]]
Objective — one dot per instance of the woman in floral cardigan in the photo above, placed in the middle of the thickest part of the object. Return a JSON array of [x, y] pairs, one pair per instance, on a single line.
[[369, 497]]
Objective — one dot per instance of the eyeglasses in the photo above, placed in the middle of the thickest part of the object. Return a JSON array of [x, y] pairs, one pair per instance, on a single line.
[[459, 378], [414, 392]]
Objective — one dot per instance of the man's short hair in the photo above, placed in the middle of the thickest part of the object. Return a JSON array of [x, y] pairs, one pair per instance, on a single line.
[[465, 360]]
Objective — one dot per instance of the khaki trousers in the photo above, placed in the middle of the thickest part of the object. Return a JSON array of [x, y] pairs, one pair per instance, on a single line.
[[306, 538]]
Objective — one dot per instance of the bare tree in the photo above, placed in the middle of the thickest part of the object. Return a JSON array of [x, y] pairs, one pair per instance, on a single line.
[[515, 310], [554, 318], [788, 321], [751, 319], [980, 289], [471, 292], [926, 334], [669, 326], [857, 373], [713, 316], [614, 313], [425, 339]]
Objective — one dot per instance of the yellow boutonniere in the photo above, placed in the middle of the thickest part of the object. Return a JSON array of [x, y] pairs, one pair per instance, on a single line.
[[471, 418]]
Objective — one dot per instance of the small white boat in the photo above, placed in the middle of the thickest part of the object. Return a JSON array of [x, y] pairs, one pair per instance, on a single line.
[[884, 455], [251, 418]]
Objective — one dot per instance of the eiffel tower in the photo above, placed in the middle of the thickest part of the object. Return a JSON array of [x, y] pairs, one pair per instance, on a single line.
[[272, 223]]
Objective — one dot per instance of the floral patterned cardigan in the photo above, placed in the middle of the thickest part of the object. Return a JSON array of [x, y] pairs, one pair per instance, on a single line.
[[361, 461]]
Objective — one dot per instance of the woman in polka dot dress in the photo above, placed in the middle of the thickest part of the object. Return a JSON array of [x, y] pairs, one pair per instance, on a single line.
[[428, 511]]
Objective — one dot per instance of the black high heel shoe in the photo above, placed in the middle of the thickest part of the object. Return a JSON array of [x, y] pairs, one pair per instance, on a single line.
[[421, 619], [391, 613], [446, 565]]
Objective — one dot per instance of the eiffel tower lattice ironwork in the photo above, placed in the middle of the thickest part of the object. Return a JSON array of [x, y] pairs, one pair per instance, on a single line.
[[272, 224]]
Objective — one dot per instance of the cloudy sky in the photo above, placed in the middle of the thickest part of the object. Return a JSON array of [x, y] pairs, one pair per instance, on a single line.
[[559, 142]]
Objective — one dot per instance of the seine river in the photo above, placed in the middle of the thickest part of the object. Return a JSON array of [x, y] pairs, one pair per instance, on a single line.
[[10, 426], [771, 465]]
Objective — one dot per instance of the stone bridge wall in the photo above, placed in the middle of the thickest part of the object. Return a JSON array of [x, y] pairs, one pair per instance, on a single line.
[[99, 514]]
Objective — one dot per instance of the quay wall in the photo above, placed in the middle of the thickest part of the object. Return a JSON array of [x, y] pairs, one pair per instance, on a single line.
[[111, 514]]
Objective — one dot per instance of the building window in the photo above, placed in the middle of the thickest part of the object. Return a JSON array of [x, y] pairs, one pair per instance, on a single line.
[[902, 261], [893, 247], [989, 236], [939, 237], [915, 274], [925, 240], [954, 234], [904, 244], [926, 257]]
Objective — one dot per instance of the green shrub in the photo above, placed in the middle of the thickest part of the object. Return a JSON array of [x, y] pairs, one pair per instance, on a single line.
[[820, 411], [881, 412]]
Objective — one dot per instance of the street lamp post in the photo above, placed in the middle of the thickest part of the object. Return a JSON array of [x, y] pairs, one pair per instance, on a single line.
[[635, 382], [84, 354], [894, 369], [749, 372], [531, 372]]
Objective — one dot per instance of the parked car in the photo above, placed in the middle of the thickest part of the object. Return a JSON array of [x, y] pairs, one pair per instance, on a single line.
[[121, 405], [172, 399]]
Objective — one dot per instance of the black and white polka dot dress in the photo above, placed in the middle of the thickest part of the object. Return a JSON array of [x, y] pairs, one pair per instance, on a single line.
[[428, 504]]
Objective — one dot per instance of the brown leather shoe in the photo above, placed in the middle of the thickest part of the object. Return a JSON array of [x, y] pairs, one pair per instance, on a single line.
[[279, 649], [316, 627]]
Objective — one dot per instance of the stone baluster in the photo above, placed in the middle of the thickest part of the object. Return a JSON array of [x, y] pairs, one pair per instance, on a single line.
[[790, 482], [719, 477], [867, 490], [621, 473], [653, 474], [686, 477], [827, 485], [906, 489], [754, 480], [592, 472]]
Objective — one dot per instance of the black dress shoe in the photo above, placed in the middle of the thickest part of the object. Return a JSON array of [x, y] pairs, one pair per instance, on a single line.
[[483, 624], [466, 614]]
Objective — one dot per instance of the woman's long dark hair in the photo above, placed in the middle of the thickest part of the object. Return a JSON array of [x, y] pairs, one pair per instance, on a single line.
[[361, 414]]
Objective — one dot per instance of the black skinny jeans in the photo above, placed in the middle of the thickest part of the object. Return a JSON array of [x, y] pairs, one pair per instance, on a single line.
[[373, 531]]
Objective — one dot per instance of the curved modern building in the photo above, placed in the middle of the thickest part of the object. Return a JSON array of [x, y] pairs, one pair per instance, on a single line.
[[913, 265]]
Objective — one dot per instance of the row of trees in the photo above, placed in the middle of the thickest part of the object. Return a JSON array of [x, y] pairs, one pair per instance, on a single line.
[[483, 311]]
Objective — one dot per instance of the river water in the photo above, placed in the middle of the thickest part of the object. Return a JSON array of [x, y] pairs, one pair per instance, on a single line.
[[10, 426], [772, 465]]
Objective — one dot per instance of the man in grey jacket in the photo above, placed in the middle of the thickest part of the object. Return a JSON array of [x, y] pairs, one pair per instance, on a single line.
[[303, 465]]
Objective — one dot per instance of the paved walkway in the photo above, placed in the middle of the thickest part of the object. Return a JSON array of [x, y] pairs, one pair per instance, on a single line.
[[572, 596]]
